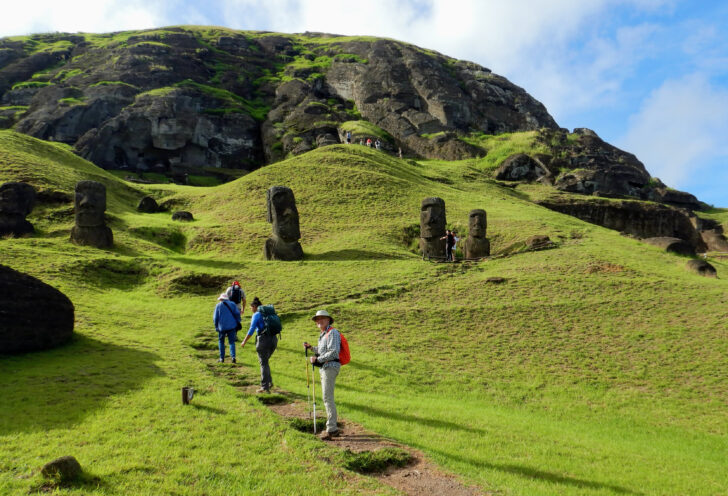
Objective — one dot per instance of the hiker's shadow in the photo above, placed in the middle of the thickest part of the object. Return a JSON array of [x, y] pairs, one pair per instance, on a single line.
[[58, 388], [532, 473]]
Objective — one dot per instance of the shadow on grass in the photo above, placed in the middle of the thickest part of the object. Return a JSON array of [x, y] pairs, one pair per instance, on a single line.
[[207, 408], [403, 417], [208, 264], [346, 255], [532, 473], [59, 388]]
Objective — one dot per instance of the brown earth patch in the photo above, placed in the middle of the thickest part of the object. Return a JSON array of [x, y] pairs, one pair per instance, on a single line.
[[604, 268]]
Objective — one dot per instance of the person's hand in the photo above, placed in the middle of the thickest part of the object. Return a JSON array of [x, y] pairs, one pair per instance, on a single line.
[[306, 345], [312, 359]]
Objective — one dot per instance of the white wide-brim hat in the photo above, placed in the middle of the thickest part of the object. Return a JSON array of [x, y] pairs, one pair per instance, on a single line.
[[223, 296], [323, 313]]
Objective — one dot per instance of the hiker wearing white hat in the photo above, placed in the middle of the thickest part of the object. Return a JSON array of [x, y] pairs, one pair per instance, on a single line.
[[326, 356], [226, 318]]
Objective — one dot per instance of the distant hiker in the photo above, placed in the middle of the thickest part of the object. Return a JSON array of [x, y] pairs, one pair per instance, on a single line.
[[449, 244], [369, 142], [348, 137], [361, 141], [267, 324], [327, 357], [455, 240], [226, 318], [399, 152], [236, 294], [378, 144]]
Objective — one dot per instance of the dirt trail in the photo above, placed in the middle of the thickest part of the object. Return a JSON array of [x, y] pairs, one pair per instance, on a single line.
[[420, 477]]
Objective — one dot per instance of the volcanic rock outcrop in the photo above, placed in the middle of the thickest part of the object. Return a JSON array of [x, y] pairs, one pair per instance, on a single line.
[[24, 328], [16, 202], [672, 245], [432, 227], [90, 204], [188, 97], [702, 268], [281, 211], [641, 219]]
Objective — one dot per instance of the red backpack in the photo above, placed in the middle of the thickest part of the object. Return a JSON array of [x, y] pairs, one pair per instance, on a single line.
[[344, 355]]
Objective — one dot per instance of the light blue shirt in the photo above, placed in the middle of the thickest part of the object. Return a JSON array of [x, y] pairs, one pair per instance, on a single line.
[[256, 323]]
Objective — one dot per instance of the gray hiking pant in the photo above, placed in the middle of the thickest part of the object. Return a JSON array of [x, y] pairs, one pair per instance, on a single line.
[[328, 381], [265, 345]]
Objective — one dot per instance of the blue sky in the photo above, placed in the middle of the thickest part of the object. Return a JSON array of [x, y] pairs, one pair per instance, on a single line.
[[649, 76]]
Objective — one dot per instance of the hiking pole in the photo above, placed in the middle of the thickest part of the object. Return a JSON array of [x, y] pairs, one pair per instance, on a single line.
[[308, 385], [313, 374]]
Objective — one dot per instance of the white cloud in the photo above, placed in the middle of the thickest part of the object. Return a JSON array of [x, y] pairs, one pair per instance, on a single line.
[[680, 129]]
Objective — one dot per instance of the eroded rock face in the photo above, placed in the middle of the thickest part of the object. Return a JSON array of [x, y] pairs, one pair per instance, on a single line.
[[477, 245], [432, 227], [672, 245], [183, 98], [701, 267], [520, 167], [641, 219], [22, 327], [90, 204], [538, 241], [281, 211], [16, 202]]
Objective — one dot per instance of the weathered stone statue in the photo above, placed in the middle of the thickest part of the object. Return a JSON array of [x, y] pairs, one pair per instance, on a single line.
[[432, 227], [16, 201], [283, 214], [477, 245], [90, 204]]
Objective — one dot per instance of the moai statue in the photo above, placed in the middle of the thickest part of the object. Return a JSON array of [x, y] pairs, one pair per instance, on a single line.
[[282, 213], [432, 227], [16, 201], [477, 245], [90, 204]]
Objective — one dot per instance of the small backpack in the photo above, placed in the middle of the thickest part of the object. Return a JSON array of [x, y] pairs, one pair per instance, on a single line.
[[236, 295], [344, 354], [271, 320]]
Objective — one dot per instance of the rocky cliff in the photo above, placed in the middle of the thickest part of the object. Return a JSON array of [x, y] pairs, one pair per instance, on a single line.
[[209, 97]]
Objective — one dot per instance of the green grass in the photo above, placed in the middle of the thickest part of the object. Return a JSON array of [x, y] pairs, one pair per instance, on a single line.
[[31, 84], [366, 128], [596, 368]]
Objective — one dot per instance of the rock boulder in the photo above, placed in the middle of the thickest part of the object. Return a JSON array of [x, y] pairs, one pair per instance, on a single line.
[[672, 245], [16, 202], [22, 327], [701, 267]]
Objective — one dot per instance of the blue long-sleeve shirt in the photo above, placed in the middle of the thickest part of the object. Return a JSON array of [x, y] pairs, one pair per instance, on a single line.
[[256, 324], [226, 316]]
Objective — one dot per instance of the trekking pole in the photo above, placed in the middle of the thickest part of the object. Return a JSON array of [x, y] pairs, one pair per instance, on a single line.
[[308, 385], [313, 379]]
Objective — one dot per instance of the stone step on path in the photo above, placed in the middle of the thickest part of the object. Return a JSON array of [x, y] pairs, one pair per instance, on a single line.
[[420, 477]]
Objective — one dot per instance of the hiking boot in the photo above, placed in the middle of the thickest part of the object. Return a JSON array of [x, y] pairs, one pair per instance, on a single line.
[[326, 435], [220, 360], [234, 360], [263, 390]]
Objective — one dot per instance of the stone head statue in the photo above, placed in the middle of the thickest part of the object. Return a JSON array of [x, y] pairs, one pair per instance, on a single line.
[[477, 245], [282, 213], [477, 223], [432, 217], [90, 204], [16, 202]]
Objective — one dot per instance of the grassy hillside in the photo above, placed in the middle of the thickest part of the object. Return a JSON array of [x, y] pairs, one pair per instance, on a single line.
[[596, 368]]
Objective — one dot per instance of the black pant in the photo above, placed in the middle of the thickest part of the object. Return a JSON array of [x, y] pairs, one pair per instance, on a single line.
[[265, 345]]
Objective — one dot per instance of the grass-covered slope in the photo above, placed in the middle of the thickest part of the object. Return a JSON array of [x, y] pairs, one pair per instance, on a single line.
[[596, 368]]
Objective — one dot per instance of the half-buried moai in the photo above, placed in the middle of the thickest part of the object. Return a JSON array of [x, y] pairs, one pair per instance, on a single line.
[[90, 204], [16, 202], [283, 214], [432, 227], [477, 245]]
